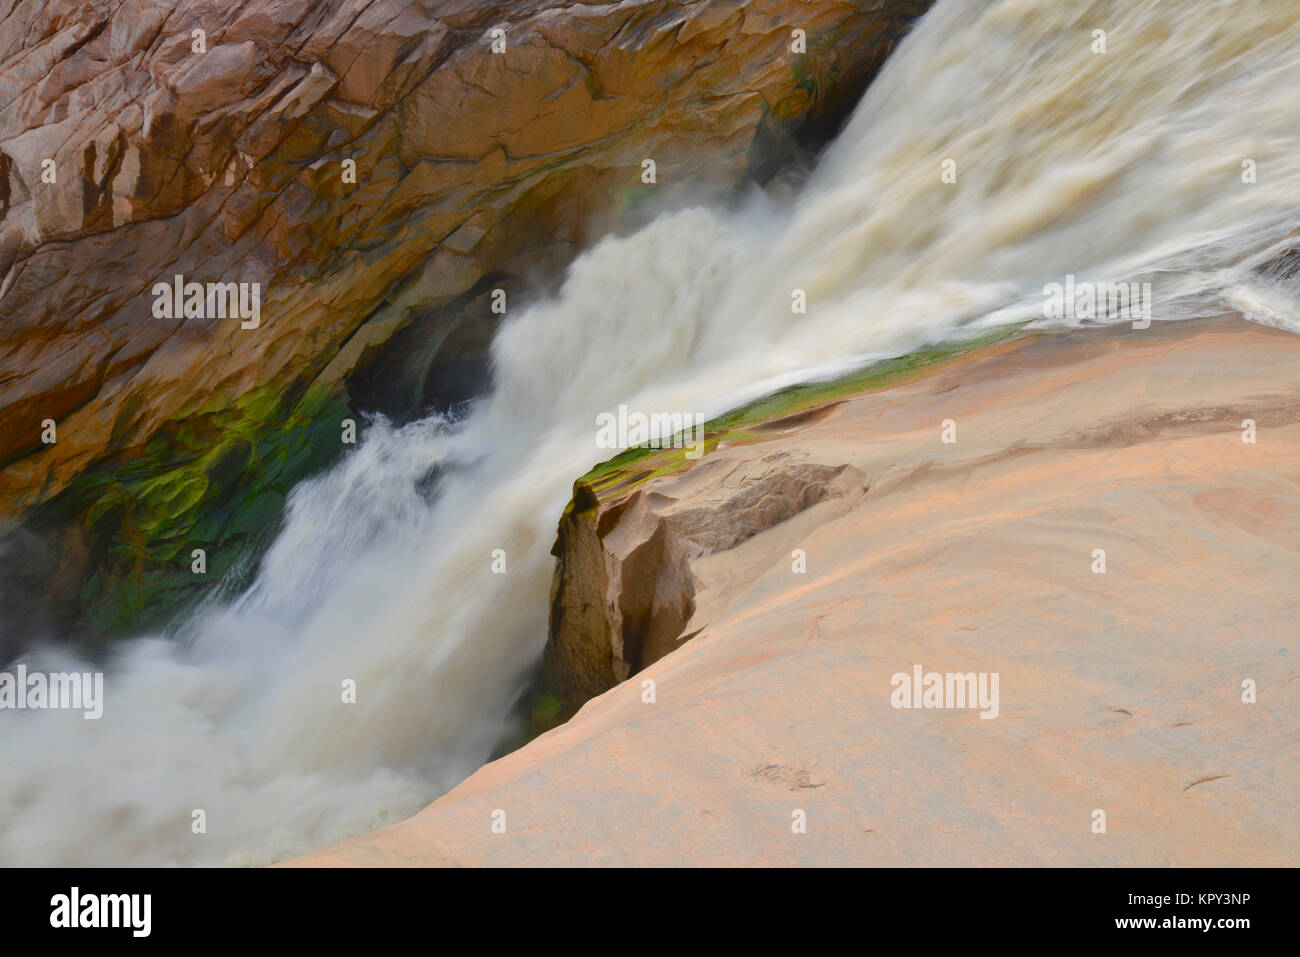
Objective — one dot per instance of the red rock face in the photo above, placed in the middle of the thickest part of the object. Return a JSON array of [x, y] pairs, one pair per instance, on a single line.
[[149, 139]]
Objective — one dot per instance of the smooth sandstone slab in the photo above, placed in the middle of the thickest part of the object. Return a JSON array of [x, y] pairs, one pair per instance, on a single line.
[[1119, 692]]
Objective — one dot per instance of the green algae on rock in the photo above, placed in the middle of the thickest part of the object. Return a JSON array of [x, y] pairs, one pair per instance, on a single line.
[[594, 641]]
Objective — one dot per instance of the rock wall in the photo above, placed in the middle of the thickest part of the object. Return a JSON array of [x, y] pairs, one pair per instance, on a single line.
[[1123, 691], [146, 139], [636, 570]]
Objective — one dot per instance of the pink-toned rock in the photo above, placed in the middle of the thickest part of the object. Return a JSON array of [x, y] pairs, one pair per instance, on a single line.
[[1123, 692]]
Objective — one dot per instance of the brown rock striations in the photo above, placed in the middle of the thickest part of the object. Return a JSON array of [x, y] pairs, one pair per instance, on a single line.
[[634, 575], [147, 139]]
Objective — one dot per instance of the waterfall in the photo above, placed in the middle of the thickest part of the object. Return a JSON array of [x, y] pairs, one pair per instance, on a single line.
[[1132, 164]]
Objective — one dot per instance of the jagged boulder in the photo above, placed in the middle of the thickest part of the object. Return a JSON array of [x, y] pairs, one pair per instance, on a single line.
[[364, 164], [642, 568]]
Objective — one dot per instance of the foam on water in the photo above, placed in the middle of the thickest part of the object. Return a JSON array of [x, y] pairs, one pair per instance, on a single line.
[[1108, 166]]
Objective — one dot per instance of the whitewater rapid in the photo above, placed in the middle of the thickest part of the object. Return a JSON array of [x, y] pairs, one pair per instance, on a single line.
[[1126, 164]]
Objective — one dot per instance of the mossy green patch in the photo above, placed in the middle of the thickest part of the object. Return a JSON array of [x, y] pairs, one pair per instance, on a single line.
[[215, 480], [636, 465]]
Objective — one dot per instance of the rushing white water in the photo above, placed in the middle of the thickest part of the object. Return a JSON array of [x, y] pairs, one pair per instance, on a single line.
[[1108, 165]]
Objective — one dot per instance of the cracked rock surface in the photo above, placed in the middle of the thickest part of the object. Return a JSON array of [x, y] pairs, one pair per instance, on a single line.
[[226, 165], [1121, 692], [142, 140]]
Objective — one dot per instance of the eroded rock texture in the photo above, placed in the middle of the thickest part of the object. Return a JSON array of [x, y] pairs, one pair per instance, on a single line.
[[1162, 691], [641, 570], [128, 157]]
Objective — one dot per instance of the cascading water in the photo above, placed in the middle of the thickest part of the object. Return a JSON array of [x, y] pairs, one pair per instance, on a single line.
[[1115, 165]]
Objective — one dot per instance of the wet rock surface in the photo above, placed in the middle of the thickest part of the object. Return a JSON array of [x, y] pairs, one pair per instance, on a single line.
[[144, 140]]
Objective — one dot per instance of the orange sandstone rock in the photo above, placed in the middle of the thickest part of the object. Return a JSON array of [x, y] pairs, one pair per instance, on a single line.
[[1125, 695]]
